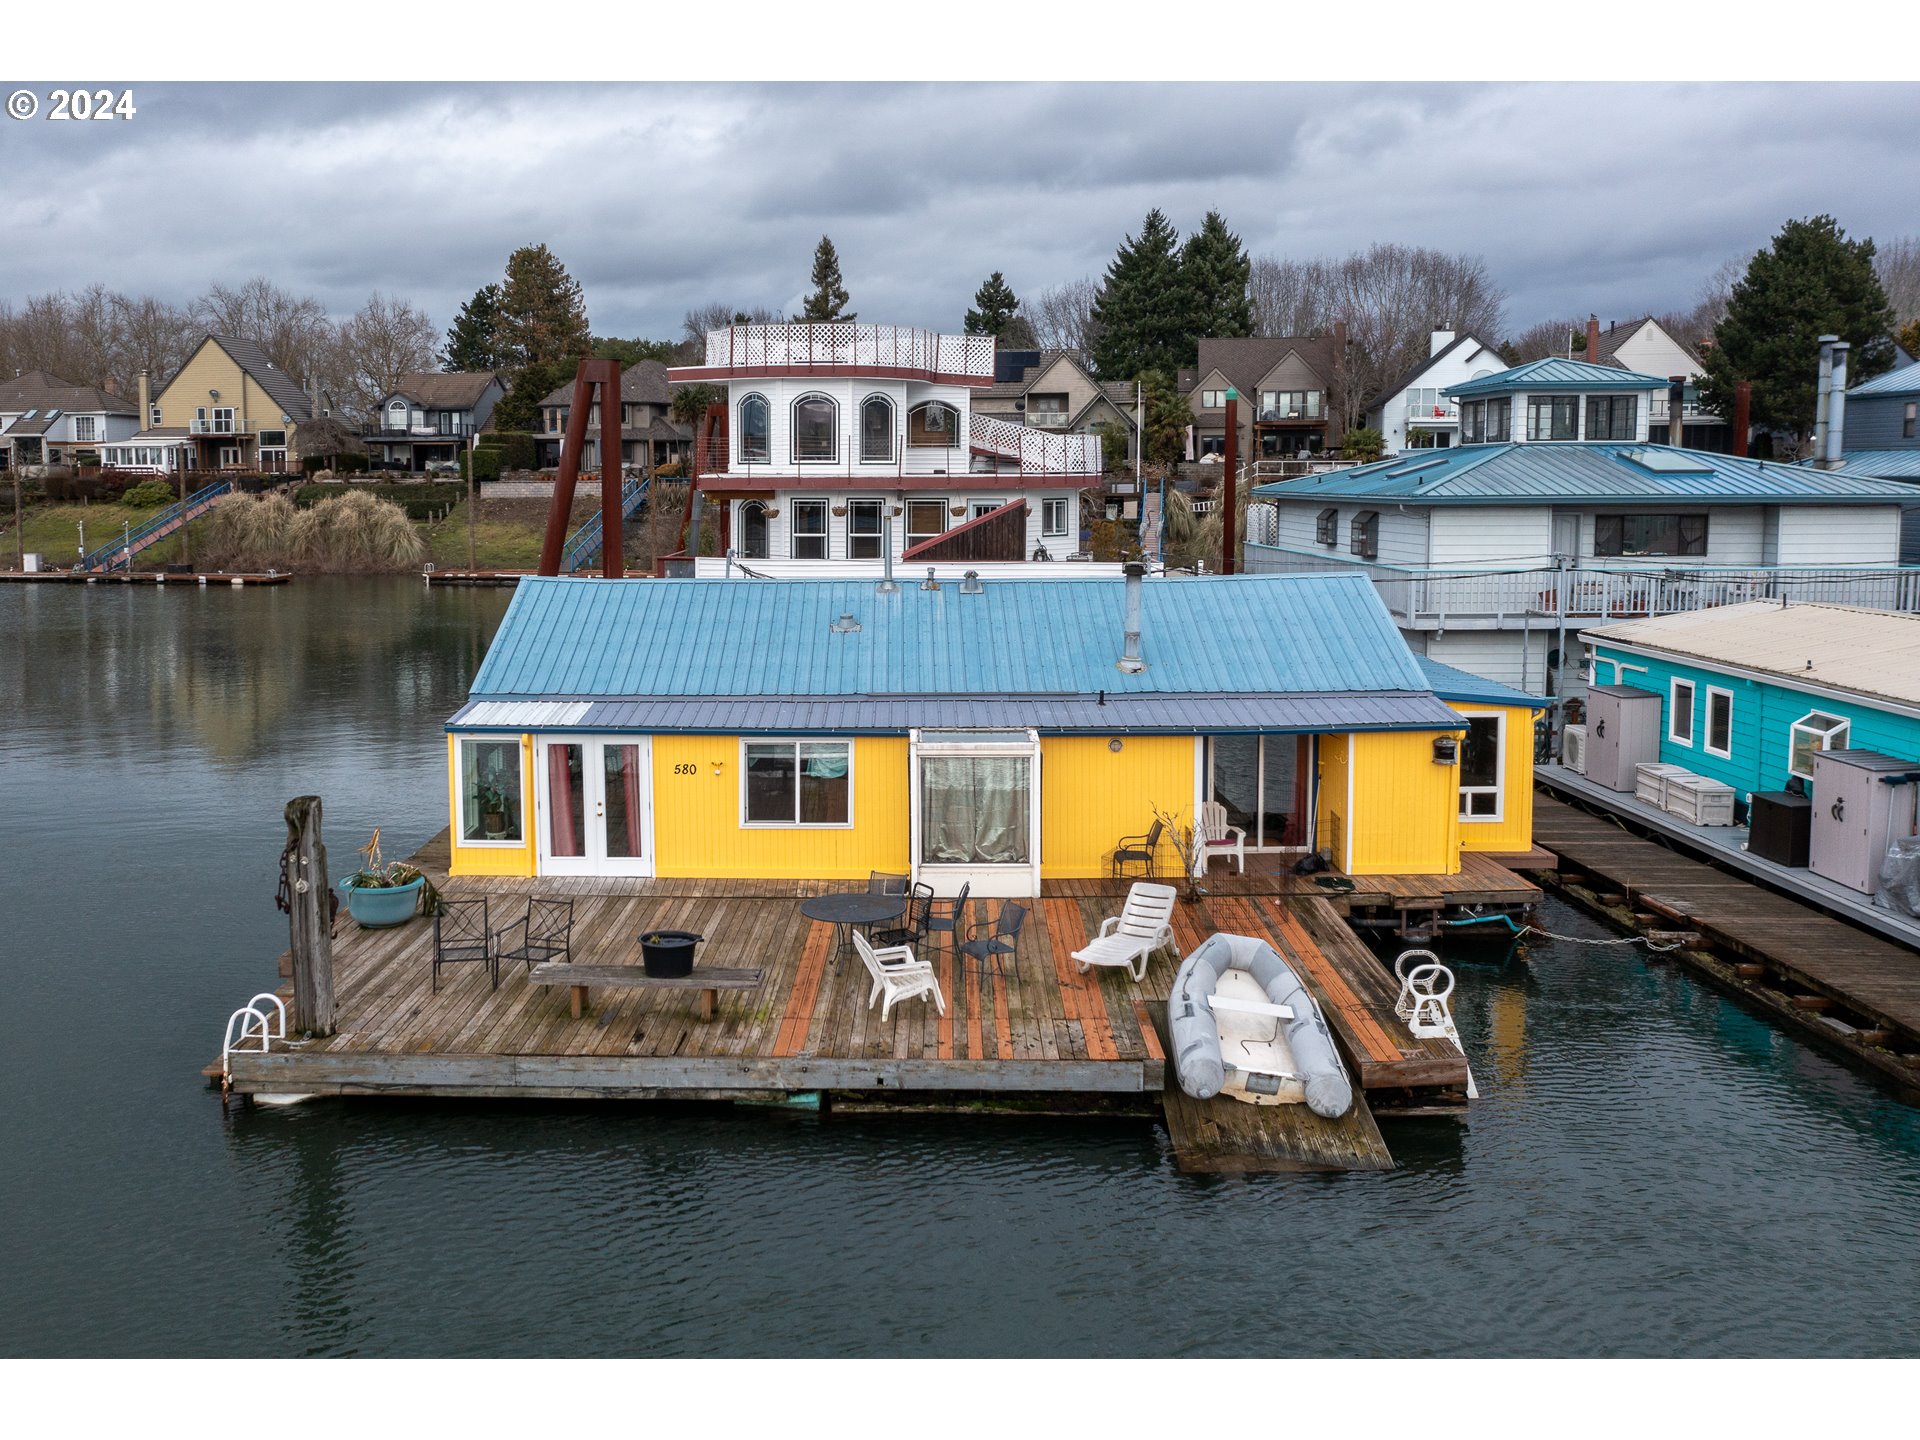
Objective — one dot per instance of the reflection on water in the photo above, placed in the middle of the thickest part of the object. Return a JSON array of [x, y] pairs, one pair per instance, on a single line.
[[1652, 1171]]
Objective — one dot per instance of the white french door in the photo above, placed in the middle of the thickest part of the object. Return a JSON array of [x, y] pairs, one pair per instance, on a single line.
[[976, 810], [596, 805]]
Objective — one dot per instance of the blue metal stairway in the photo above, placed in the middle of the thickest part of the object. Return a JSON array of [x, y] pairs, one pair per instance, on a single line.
[[116, 556], [583, 546]]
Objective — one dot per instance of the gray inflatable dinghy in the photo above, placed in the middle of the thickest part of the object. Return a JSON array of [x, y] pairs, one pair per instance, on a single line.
[[1265, 1042]]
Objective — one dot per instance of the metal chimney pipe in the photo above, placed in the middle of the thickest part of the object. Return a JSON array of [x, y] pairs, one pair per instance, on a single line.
[[1131, 662], [1820, 396], [1837, 407], [1676, 410], [886, 585]]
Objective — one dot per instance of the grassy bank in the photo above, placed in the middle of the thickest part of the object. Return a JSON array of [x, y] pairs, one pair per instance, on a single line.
[[499, 544]]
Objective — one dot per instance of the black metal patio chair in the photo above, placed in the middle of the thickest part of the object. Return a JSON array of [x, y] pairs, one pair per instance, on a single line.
[[543, 934], [460, 937], [1003, 939], [913, 927], [952, 922], [1139, 850], [883, 882]]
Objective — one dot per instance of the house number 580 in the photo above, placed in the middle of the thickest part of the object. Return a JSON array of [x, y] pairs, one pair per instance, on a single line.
[[686, 769]]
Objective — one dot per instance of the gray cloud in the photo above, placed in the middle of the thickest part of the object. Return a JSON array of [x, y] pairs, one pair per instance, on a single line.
[[1611, 198]]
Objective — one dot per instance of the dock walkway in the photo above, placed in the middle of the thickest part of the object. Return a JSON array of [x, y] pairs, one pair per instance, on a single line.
[[1829, 979]]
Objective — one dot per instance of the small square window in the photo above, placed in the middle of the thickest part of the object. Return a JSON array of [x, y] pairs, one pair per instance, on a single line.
[[1053, 517], [796, 782]]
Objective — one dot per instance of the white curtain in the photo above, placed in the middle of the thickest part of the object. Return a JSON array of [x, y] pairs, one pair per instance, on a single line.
[[974, 809]]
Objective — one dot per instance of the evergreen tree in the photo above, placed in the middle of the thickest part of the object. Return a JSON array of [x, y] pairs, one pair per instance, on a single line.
[[1811, 281], [632, 352], [473, 338], [828, 302], [1144, 313], [994, 307], [1216, 269], [543, 317], [1909, 338], [1168, 417], [519, 408]]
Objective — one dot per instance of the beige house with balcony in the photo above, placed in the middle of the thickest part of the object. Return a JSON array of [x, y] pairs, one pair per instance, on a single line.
[[228, 408], [1291, 389]]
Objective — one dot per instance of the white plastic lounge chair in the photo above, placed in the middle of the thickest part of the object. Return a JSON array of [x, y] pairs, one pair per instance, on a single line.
[[1217, 837], [897, 975], [1129, 938]]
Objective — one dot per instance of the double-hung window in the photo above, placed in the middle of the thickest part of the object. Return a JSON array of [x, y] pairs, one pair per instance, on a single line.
[[1213, 399], [1680, 712], [1053, 517], [808, 529], [1553, 417], [1482, 762], [796, 782], [926, 519], [866, 527], [1719, 737], [1612, 417]]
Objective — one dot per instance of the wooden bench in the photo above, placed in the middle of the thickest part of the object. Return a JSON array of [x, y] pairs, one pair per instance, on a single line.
[[580, 978]]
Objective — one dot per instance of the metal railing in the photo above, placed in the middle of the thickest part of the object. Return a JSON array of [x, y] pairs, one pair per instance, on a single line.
[[216, 427], [121, 551], [583, 546], [1590, 594], [1048, 419], [878, 347]]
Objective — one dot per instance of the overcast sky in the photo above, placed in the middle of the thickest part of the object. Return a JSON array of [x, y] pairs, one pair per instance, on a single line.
[[1616, 199]]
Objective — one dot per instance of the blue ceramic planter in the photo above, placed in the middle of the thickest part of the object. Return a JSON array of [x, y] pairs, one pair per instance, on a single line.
[[383, 907]]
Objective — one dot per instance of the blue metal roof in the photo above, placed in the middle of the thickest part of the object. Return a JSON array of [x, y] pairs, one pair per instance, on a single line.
[[1904, 381], [1880, 464], [1470, 689], [1554, 373], [1319, 648], [1573, 472]]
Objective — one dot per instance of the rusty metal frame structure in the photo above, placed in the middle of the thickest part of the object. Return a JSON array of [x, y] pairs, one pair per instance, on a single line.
[[604, 374]]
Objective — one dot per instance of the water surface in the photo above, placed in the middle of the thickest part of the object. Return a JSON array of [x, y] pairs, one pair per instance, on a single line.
[[1652, 1171]]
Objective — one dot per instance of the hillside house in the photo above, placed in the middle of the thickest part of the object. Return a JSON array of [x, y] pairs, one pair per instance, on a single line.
[[229, 408], [429, 418], [45, 420], [1291, 388], [649, 435]]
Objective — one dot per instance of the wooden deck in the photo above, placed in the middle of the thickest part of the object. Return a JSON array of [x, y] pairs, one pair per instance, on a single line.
[[1042, 1028], [1843, 986]]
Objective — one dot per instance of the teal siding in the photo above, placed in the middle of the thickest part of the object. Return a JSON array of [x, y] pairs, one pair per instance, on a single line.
[[1763, 714]]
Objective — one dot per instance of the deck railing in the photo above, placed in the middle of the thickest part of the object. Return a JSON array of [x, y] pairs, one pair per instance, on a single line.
[[1039, 452], [1421, 598], [867, 347]]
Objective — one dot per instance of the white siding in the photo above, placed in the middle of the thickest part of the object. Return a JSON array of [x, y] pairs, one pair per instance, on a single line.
[[1840, 535], [780, 525], [1492, 654], [1470, 534], [1650, 352], [1402, 537]]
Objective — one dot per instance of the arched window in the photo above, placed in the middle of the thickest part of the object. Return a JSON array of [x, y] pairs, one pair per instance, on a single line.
[[816, 428], [756, 437], [933, 424], [876, 429], [753, 531]]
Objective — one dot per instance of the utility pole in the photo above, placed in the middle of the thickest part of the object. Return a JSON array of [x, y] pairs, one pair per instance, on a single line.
[[1139, 455], [472, 488], [19, 540]]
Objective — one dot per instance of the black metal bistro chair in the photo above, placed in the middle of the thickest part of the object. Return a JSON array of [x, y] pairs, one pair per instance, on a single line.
[[543, 934], [913, 927], [460, 937], [1138, 850], [1003, 939], [951, 923], [882, 882]]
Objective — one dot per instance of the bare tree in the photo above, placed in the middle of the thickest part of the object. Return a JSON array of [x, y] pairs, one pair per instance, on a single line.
[[1061, 316], [1393, 297], [383, 340], [293, 329], [1291, 297], [1897, 262], [715, 315], [155, 337], [1546, 339]]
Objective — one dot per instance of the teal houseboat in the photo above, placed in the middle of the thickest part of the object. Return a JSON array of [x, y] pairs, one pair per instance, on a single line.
[[1751, 693]]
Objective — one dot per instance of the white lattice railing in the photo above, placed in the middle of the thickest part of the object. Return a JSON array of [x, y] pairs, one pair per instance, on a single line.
[[889, 347], [1039, 452]]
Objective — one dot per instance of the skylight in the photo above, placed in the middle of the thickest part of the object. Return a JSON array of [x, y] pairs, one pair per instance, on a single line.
[[1667, 462]]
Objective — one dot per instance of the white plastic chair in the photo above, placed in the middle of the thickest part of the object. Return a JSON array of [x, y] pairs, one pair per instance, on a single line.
[[897, 975], [1216, 837], [1128, 939]]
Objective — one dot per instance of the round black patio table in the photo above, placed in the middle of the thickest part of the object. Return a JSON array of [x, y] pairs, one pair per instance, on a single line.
[[844, 909]]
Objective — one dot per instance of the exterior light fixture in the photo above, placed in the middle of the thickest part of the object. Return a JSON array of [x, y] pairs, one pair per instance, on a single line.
[[1116, 744], [1446, 750]]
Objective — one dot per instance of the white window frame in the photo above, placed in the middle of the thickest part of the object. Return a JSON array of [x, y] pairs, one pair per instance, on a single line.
[[883, 536], [1213, 399], [460, 786], [83, 429], [909, 537], [1047, 507], [893, 438], [793, 429], [1842, 728], [795, 534], [765, 457], [796, 741], [1499, 787], [224, 416], [1706, 732], [1674, 686], [1014, 881]]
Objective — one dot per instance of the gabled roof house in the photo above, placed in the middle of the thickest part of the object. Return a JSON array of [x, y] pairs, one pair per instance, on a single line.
[[429, 416], [1413, 412], [1291, 388]]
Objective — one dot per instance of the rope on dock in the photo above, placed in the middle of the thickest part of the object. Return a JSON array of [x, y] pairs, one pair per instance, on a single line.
[[1519, 930]]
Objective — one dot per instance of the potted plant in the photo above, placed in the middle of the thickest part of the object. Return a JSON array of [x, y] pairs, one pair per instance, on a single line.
[[384, 894], [493, 811]]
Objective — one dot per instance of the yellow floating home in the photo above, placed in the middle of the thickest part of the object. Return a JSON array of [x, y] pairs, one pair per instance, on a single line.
[[991, 733]]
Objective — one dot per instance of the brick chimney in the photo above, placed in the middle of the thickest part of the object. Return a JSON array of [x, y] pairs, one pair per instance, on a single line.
[[1593, 339]]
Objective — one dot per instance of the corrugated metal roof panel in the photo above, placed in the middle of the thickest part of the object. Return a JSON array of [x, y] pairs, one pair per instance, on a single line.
[[861, 715], [1845, 647], [1881, 464], [1904, 381], [1266, 634], [1556, 373], [520, 714], [1590, 472], [1450, 683]]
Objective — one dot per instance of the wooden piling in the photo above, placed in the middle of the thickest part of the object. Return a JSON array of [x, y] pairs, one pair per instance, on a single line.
[[310, 921]]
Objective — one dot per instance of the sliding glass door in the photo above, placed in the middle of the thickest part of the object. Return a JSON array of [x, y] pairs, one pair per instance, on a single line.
[[1262, 780], [596, 815]]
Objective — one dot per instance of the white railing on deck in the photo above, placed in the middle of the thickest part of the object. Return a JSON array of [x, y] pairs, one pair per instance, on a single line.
[[1039, 452], [1590, 595], [878, 347]]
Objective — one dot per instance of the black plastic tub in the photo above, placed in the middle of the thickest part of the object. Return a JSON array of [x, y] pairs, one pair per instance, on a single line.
[[668, 954]]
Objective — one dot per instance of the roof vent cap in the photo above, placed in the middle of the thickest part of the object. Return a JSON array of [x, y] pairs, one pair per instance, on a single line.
[[970, 584], [845, 625], [930, 583]]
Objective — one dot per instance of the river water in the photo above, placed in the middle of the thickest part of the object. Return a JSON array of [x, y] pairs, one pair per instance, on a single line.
[[1651, 1170]]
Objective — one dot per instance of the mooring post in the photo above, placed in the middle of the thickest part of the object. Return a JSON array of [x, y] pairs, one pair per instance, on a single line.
[[310, 919]]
